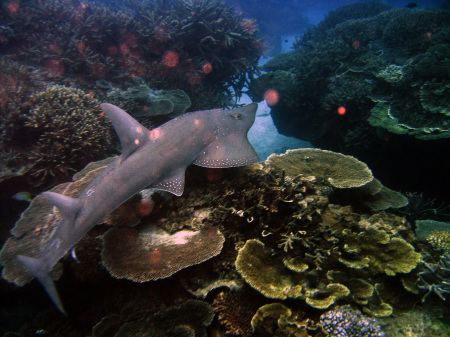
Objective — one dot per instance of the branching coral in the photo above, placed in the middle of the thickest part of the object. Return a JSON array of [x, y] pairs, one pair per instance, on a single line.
[[201, 46], [68, 131]]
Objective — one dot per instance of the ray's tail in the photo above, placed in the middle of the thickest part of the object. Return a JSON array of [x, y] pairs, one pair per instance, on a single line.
[[40, 270]]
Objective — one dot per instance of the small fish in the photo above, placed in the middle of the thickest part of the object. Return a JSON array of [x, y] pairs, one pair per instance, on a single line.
[[411, 5], [23, 196]]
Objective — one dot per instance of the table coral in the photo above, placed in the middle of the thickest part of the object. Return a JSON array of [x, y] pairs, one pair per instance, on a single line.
[[142, 256], [328, 167]]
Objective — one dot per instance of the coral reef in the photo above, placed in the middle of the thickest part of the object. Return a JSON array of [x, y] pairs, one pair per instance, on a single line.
[[285, 236], [344, 321], [387, 71], [202, 47]]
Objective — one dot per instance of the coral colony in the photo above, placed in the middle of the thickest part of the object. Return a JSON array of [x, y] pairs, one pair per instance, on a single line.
[[311, 242]]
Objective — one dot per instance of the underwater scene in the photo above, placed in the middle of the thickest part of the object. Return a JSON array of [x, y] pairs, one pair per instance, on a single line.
[[208, 168]]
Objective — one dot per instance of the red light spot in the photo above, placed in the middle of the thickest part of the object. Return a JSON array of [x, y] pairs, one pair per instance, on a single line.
[[214, 175], [124, 49], [81, 46], [271, 97], [12, 7], [170, 58], [145, 207], [113, 51], [83, 6], [207, 67], [341, 110], [356, 44], [428, 35], [54, 48], [54, 67]]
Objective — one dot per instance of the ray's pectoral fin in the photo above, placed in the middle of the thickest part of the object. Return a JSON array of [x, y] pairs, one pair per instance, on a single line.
[[173, 183], [231, 151], [132, 134], [231, 148]]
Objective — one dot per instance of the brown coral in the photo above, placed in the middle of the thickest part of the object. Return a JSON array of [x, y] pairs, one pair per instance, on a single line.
[[142, 256]]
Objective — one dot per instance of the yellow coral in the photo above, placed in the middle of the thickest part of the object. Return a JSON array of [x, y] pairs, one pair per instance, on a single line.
[[440, 240]]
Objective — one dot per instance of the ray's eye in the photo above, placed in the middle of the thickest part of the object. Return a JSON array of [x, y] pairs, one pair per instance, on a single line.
[[237, 116]]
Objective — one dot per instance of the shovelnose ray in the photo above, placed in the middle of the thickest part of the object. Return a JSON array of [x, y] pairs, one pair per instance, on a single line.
[[150, 159]]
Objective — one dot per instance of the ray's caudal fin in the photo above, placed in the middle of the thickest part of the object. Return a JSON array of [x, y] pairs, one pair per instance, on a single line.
[[42, 272]]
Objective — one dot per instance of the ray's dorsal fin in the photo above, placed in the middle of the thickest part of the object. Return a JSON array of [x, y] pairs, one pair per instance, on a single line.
[[231, 148], [68, 206], [173, 184], [132, 134]]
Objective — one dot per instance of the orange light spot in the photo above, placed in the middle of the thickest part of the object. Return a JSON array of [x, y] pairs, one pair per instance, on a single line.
[[428, 35], [38, 229], [83, 6], [196, 122], [356, 44], [138, 129], [207, 67], [170, 58], [136, 141], [271, 97], [341, 110], [91, 94], [102, 114]]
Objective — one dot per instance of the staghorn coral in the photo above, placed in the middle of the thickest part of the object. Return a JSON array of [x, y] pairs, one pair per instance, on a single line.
[[434, 278], [344, 321]]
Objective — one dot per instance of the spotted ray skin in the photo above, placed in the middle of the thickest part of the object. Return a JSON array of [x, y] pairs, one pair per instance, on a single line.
[[150, 159]]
